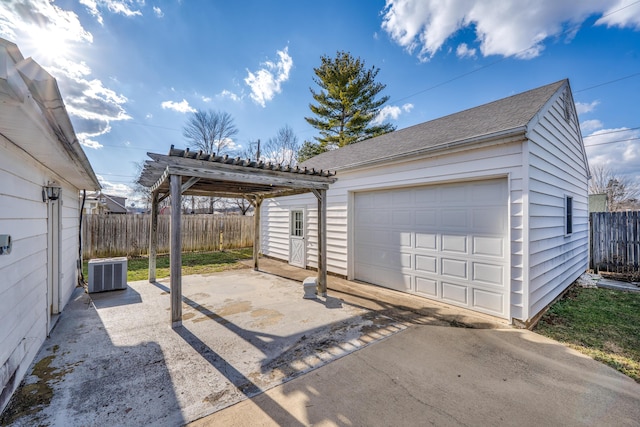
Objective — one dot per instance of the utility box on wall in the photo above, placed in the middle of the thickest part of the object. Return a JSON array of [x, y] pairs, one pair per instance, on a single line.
[[107, 274]]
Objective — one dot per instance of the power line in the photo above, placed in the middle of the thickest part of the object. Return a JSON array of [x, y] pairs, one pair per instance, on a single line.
[[611, 131], [607, 83], [612, 142]]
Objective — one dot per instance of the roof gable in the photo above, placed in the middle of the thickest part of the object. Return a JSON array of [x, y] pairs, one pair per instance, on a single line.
[[501, 117]]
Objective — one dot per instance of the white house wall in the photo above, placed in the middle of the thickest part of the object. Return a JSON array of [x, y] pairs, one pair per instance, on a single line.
[[557, 168], [23, 288], [502, 160]]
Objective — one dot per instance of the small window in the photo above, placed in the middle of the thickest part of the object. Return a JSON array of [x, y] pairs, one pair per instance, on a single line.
[[297, 223], [568, 204]]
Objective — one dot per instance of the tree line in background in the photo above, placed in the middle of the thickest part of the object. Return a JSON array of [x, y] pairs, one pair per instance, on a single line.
[[622, 193], [346, 112]]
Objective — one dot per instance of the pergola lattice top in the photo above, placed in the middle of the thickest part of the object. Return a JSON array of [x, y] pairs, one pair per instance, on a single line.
[[223, 176]]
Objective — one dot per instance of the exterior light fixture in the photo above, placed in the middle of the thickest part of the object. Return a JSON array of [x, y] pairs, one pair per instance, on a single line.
[[51, 192]]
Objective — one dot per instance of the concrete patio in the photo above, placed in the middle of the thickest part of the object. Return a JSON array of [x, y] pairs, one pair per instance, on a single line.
[[252, 352]]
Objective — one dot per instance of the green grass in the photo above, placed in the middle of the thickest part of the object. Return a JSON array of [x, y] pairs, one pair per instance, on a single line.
[[601, 323], [192, 263]]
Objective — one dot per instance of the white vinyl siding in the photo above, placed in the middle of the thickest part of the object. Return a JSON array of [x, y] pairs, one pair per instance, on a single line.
[[24, 272], [488, 162], [557, 170]]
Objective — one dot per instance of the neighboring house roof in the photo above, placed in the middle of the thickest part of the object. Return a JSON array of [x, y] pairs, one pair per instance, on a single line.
[[34, 118], [503, 117], [115, 204]]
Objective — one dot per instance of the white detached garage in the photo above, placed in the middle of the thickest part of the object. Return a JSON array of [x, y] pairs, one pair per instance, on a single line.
[[484, 209]]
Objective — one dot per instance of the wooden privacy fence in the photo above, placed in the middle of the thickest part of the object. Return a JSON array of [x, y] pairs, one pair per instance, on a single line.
[[615, 242], [128, 235]]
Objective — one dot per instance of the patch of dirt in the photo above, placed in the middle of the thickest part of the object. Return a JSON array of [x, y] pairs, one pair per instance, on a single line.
[[235, 308], [266, 317], [30, 398], [553, 319]]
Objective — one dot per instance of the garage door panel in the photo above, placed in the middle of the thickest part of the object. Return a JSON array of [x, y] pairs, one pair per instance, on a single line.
[[403, 197], [454, 292], [488, 193], [455, 218], [455, 194], [372, 236], [488, 273], [448, 242], [403, 238], [453, 243], [390, 259], [454, 268], [402, 218], [426, 195], [395, 280], [490, 301], [427, 286], [426, 241], [427, 218], [487, 220], [488, 246], [426, 264]]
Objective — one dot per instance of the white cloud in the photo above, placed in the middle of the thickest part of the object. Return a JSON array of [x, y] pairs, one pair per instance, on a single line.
[[50, 34], [506, 28], [89, 143], [115, 189], [619, 149], [119, 7], [586, 107], [228, 94], [590, 125], [206, 98], [266, 82], [181, 107], [463, 50], [626, 15], [159, 13], [390, 112]]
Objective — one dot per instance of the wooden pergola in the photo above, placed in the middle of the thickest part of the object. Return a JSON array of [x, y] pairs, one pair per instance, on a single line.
[[184, 172]]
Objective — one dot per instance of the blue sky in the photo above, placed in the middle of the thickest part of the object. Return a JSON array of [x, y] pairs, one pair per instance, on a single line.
[[131, 70]]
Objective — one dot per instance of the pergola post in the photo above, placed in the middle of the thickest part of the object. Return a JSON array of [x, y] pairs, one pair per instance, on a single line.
[[256, 231], [153, 237], [176, 251], [322, 242]]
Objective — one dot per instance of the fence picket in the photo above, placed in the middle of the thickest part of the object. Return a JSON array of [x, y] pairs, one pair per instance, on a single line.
[[615, 242], [128, 235]]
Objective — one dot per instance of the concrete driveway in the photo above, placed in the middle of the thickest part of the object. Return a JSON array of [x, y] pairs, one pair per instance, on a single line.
[[366, 356]]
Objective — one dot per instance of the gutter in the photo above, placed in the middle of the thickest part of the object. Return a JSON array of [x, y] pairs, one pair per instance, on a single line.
[[44, 89]]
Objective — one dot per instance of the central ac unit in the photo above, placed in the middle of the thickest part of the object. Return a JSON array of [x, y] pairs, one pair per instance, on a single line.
[[107, 274]]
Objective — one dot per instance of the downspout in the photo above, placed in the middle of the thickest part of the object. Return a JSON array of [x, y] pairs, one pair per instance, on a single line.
[[81, 281]]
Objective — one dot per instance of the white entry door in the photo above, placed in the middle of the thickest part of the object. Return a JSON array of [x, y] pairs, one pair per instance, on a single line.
[[297, 246]]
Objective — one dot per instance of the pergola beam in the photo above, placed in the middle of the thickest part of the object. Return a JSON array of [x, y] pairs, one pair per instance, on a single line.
[[175, 253]]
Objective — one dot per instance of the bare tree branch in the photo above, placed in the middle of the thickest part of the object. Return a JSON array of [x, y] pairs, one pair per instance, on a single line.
[[211, 131]]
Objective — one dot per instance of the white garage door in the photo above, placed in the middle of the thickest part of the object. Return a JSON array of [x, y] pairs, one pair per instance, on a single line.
[[447, 242]]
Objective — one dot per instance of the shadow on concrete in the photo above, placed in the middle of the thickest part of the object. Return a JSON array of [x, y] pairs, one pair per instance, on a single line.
[[239, 380], [79, 377], [124, 297], [285, 357]]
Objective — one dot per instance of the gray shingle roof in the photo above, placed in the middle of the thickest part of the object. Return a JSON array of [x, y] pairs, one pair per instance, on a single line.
[[487, 120]]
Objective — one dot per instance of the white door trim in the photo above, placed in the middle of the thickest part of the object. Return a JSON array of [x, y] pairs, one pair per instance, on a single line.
[[53, 258], [297, 237]]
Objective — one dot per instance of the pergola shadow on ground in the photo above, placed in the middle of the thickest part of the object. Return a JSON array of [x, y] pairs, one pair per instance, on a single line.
[[184, 172]]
